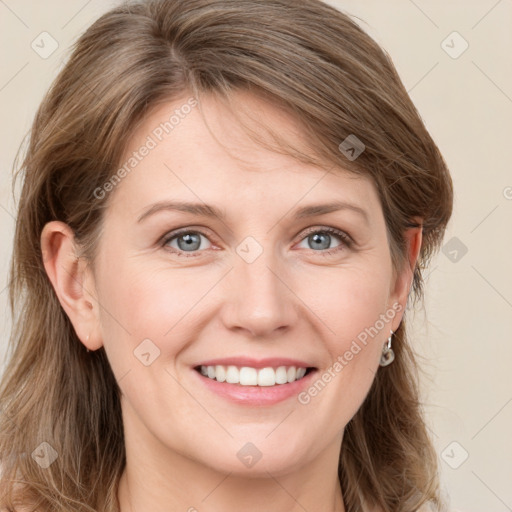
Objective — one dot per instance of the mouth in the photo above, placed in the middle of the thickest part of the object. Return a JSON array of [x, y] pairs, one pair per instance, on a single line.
[[250, 376]]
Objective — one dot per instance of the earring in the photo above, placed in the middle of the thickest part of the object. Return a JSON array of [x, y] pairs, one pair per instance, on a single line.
[[87, 339], [388, 355]]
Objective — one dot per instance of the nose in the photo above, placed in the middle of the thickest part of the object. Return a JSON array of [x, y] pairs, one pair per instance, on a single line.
[[259, 298]]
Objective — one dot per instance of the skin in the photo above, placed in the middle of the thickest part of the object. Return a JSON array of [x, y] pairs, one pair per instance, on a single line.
[[292, 301]]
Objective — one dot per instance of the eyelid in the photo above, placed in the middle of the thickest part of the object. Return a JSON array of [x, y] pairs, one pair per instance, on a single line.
[[200, 230], [345, 238]]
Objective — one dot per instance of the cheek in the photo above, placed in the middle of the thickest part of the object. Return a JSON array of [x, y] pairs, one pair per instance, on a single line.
[[348, 307], [141, 301], [354, 323], [348, 300]]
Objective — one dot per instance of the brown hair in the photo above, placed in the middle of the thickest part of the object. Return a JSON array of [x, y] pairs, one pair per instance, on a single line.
[[323, 68]]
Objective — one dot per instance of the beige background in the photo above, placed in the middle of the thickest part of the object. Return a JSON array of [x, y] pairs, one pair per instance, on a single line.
[[466, 103]]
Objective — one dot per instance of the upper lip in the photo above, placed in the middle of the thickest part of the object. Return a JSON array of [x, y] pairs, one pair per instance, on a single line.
[[273, 362]]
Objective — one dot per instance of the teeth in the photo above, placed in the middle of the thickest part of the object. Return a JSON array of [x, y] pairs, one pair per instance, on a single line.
[[247, 376]]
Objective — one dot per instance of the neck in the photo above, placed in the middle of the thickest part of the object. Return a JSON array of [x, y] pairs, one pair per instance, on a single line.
[[226, 493], [158, 479]]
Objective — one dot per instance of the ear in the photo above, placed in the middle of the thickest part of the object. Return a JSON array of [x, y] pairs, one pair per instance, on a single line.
[[404, 278], [72, 281]]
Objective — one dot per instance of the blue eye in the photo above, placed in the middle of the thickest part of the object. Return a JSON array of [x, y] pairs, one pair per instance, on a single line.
[[319, 240], [187, 241]]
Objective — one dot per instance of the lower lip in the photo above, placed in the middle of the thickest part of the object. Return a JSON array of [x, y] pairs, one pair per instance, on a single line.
[[256, 395]]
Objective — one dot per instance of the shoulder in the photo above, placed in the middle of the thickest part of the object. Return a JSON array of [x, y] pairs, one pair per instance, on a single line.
[[4, 508], [428, 508], [424, 508]]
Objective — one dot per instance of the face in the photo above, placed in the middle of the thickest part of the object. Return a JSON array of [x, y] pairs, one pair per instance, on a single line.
[[273, 278]]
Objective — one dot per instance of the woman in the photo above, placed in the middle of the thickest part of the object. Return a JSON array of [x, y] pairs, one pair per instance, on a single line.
[[226, 208]]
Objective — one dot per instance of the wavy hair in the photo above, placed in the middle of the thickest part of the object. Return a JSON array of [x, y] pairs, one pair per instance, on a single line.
[[308, 58]]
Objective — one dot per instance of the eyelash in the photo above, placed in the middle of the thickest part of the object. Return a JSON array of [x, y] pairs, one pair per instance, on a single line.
[[345, 239]]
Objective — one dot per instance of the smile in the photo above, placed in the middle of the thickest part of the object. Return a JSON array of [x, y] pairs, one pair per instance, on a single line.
[[248, 376]]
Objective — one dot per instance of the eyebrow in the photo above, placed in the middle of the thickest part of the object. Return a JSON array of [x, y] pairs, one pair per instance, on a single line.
[[206, 210]]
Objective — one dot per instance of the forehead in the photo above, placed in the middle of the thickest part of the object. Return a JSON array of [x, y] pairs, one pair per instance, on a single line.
[[191, 153]]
